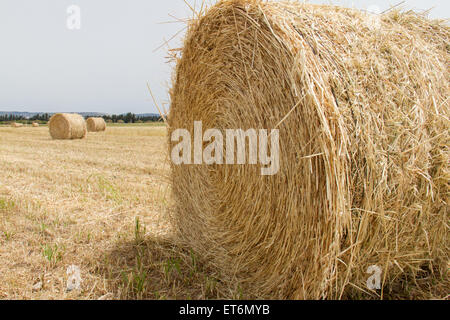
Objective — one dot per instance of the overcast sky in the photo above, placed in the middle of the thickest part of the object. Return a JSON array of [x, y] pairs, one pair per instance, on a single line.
[[103, 66]]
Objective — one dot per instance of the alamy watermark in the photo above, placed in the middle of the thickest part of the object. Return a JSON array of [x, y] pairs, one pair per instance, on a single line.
[[374, 281], [231, 149], [74, 278], [73, 21]]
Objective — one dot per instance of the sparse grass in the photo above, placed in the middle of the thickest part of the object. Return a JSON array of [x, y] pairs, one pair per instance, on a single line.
[[7, 235], [52, 253], [6, 204], [139, 232]]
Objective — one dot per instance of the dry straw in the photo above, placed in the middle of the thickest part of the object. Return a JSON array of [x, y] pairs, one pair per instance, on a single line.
[[35, 124], [361, 102], [67, 126], [16, 125], [96, 124]]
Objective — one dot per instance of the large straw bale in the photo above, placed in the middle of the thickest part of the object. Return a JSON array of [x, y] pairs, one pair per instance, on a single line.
[[361, 102], [16, 125], [96, 124], [67, 126]]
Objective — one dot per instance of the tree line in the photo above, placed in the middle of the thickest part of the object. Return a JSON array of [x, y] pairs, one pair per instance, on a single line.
[[131, 118], [44, 117]]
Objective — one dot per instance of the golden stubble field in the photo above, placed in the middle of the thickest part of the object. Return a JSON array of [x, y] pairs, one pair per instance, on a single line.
[[100, 204]]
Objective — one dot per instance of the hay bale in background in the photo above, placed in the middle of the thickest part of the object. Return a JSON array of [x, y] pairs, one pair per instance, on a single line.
[[362, 111], [67, 126], [96, 124], [35, 124], [16, 125]]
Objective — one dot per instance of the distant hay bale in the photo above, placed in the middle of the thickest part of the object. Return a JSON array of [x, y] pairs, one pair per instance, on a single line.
[[16, 125], [35, 124], [67, 126], [96, 124], [120, 121], [362, 110]]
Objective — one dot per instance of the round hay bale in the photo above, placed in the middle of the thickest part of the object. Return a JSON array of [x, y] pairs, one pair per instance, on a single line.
[[96, 124], [35, 124], [67, 126], [362, 112], [120, 121], [16, 125]]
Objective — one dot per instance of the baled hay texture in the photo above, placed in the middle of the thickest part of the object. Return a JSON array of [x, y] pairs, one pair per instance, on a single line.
[[67, 126], [35, 124], [96, 124], [361, 102], [16, 125]]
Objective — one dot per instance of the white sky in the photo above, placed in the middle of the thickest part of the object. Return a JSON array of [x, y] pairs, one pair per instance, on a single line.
[[105, 65]]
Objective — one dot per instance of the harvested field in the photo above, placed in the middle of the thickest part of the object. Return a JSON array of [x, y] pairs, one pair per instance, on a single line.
[[97, 203], [361, 105]]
